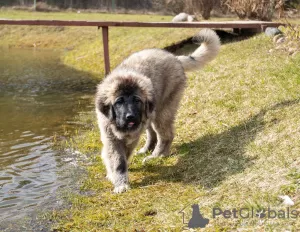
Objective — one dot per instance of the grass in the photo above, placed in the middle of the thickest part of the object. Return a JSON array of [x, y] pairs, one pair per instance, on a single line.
[[236, 144]]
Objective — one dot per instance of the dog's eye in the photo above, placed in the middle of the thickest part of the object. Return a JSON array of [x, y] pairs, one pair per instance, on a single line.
[[137, 100], [120, 100]]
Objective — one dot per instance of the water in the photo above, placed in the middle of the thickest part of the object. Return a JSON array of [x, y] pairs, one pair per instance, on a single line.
[[39, 101]]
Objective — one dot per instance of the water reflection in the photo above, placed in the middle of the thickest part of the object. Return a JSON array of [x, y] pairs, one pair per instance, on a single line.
[[39, 98]]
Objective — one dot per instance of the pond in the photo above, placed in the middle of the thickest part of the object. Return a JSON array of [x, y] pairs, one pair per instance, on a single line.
[[40, 99]]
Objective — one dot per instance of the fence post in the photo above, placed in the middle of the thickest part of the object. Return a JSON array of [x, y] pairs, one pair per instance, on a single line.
[[34, 5], [105, 49]]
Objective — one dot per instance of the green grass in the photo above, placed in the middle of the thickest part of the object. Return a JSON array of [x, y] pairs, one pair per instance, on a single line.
[[236, 144]]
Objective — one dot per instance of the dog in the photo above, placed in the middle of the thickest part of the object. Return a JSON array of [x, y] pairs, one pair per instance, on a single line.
[[143, 93]]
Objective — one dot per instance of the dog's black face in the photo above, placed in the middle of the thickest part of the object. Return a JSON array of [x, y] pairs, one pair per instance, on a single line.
[[128, 112]]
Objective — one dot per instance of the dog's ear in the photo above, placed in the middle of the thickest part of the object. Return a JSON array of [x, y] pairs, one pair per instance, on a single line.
[[108, 111], [149, 107]]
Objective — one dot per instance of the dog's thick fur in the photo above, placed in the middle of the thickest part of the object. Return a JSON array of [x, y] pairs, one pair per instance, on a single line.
[[157, 78]]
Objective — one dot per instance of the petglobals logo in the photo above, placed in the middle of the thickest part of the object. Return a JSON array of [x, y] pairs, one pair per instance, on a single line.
[[266, 213], [193, 218], [197, 220]]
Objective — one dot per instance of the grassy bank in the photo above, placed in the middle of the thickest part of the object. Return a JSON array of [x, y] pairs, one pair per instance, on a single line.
[[236, 144]]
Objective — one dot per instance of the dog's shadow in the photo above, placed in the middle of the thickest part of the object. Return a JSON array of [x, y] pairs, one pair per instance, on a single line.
[[209, 160], [189, 45]]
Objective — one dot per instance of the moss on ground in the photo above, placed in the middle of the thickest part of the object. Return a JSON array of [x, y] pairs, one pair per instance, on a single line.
[[236, 145]]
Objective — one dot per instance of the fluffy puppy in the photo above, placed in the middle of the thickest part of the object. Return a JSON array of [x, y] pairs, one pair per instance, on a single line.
[[143, 93]]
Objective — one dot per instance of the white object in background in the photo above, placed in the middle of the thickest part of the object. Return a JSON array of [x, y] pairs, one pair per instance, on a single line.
[[183, 17]]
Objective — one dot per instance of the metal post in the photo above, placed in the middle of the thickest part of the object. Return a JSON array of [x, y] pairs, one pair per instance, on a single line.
[[34, 4], [263, 28], [105, 49]]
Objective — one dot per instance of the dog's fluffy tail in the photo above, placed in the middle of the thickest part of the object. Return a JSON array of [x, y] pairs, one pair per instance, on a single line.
[[209, 49]]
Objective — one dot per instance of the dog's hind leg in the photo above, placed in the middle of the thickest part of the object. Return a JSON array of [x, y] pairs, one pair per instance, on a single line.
[[150, 142], [165, 135], [163, 123]]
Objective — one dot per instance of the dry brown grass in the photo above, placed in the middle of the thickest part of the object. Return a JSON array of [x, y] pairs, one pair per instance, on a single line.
[[196, 7], [254, 9], [291, 39]]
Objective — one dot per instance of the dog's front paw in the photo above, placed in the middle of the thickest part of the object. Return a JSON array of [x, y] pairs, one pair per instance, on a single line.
[[121, 188], [149, 157], [109, 177]]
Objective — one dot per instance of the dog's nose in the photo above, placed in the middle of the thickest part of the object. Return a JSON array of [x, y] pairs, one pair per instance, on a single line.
[[130, 116]]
